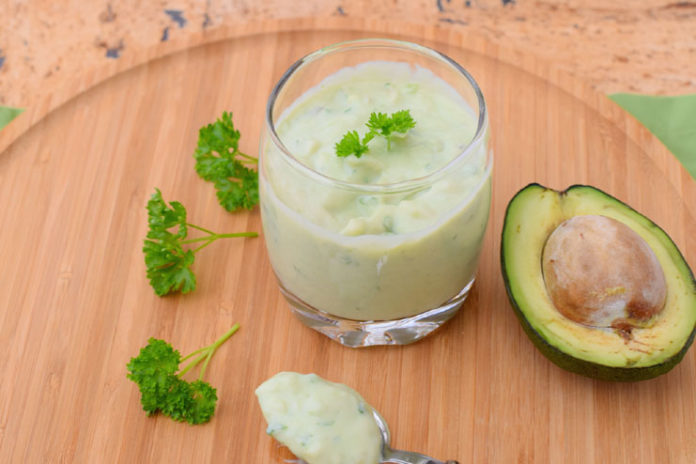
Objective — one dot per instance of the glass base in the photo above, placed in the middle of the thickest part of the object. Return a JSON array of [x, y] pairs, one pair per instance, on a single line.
[[350, 332]]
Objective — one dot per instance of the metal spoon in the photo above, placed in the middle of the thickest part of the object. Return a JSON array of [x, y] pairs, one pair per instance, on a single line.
[[390, 455], [393, 456]]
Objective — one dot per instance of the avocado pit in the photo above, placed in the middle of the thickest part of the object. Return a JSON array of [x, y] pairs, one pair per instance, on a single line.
[[599, 272]]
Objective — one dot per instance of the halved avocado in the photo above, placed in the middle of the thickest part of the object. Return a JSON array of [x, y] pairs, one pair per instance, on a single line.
[[629, 349]]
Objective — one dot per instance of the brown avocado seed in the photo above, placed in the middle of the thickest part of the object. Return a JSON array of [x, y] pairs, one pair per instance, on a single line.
[[601, 273]]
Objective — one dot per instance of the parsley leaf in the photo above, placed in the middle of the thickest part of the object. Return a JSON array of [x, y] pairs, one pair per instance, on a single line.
[[203, 402], [177, 402], [401, 122], [350, 145], [379, 124], [218, 160], [154, 370], [168, 263]]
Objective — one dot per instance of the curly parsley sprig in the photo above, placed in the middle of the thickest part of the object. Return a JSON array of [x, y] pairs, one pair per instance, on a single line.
[[218, 160], [154, 370], [168, 263], [379, 124]]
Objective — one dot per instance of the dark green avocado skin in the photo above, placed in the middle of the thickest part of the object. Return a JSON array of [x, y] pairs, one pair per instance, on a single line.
[[594, 370], [564, 360]]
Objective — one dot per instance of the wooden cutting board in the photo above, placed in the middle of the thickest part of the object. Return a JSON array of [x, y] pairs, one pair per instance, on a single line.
[[78, 167]]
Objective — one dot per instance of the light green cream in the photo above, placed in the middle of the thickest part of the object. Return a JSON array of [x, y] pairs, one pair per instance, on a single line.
[[321, 422], [374, 255]]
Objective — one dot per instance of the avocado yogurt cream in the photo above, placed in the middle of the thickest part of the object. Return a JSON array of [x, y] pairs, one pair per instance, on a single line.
[[321, 422], [390, 234]]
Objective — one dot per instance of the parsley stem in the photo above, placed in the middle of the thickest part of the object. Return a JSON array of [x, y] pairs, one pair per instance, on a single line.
[[225, 336], [195, 240], [200, 228], [216, 345], [237, 234], [193, 363], [193, 354], [213, 236], [196, 250], [250, 158], [205, 364], [206, 353]]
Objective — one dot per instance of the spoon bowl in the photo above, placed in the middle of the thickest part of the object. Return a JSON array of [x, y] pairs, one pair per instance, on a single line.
[[394, 456]]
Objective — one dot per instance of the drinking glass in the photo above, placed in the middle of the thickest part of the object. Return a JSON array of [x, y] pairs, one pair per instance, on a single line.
[[374, 287]]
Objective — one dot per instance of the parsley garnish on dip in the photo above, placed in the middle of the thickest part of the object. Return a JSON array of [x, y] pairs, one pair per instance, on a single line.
[[380, 125], [319, 421]]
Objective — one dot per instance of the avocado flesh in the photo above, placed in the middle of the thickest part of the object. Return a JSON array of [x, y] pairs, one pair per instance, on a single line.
[[532, 215]]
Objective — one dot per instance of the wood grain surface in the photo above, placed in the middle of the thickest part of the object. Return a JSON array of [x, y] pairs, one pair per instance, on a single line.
[[77, 169]]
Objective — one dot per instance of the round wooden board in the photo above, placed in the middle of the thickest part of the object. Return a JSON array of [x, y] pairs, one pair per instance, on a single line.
[[75, 305]]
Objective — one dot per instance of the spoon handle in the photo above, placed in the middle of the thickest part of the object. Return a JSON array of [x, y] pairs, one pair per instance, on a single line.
[[407, 457]]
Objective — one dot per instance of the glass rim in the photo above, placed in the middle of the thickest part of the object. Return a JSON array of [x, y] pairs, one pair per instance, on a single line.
[[404, 185]]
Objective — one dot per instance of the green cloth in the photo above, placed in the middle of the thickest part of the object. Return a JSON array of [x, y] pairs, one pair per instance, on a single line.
[[671, 119], [7, 114]]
